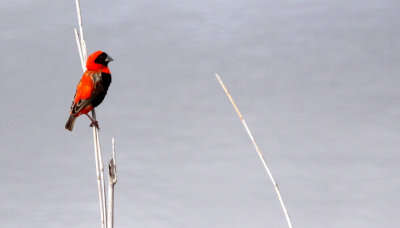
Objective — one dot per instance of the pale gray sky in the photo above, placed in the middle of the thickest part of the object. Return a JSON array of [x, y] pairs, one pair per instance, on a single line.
[[316, 80]]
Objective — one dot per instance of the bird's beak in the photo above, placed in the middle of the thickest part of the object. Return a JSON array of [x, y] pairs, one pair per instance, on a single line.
[[109, 59]]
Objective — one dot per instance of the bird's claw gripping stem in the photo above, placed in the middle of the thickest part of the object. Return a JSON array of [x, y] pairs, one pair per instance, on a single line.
[[95, 124]]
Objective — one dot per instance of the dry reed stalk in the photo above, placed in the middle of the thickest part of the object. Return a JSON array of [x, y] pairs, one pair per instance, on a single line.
[[260, 155], [112, 180], [99, 163]]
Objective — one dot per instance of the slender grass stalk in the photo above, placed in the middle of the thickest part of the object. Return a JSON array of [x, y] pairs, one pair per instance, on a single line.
[[260, 155], [112, 180], [100, 174], [82, 41], [78, 42], [99, 163]]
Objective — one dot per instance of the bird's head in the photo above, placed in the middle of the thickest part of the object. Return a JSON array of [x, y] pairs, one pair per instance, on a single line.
[[98, 61]]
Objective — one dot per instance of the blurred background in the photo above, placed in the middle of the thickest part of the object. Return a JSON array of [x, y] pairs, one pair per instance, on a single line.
[[317, 82]]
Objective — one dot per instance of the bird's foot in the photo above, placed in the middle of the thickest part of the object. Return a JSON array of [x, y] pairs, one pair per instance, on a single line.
[[95, 124]]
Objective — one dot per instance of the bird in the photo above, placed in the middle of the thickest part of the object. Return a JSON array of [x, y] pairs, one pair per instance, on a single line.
[[91, 89]]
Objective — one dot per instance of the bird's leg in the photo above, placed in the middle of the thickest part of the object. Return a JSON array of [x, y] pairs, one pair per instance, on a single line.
[[94, 122]]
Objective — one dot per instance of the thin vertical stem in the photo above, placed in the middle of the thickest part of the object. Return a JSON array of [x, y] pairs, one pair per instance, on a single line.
[[100, 173], [99, 163], [112, 180], [83, 44], [78, 42]]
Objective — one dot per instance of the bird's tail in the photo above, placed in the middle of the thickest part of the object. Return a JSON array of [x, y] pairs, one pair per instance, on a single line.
[[70, 123]]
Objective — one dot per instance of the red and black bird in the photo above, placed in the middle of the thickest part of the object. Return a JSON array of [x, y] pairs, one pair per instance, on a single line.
[[92, 88]]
